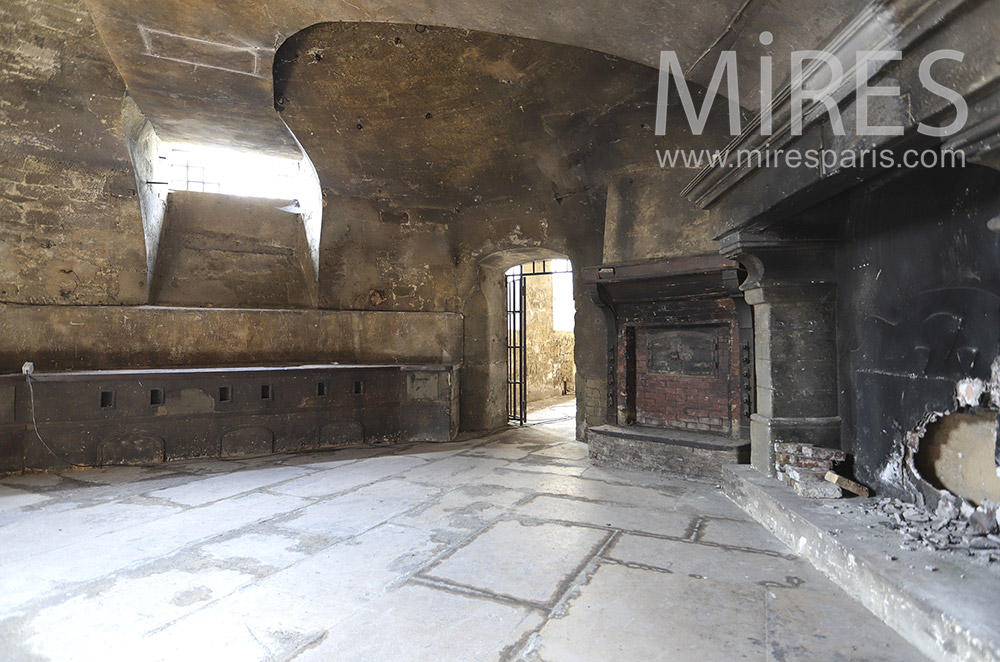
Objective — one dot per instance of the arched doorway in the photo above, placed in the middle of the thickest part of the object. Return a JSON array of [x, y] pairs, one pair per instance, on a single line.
[[540, 335], [485, 375]]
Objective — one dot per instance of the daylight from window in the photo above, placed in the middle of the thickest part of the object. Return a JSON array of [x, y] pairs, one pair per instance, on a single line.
[[230, 172]]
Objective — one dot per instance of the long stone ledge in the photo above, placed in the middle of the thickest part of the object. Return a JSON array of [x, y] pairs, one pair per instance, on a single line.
[[943, 606]]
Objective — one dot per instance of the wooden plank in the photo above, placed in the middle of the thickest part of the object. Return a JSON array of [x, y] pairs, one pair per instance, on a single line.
[[847, 484]]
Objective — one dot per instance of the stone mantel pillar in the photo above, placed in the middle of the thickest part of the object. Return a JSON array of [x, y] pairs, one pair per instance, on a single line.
[[791, 286]]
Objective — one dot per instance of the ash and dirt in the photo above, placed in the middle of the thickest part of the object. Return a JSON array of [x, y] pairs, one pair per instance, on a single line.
[[957, 527]]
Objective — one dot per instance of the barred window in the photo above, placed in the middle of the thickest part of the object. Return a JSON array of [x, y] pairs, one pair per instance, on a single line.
[[235, 173]]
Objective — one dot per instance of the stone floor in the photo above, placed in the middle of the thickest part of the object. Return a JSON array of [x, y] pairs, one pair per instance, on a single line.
[[510, 546]]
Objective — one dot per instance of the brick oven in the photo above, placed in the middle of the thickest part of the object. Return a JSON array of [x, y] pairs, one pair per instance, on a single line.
[[680, 365]]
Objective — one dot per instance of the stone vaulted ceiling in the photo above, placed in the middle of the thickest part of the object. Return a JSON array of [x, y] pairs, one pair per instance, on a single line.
[[441, 117], [201, 69]]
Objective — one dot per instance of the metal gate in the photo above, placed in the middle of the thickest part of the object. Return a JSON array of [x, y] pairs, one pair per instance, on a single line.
[[517, 332], [517, 355]]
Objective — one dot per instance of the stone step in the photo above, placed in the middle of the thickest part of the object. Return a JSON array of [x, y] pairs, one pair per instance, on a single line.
[[672, 451], [942, 604]]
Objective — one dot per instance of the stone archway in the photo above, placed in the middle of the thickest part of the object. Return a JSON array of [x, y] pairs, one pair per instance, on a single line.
[[483, 398]]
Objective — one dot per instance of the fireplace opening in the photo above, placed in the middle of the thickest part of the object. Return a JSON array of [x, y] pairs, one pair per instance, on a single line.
[[540, 335], [950, 499]]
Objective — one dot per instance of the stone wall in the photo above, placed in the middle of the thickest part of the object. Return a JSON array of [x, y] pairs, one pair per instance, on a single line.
[[104, 337], [70, 226], [488, 172], [506, 155], [958, 454], [73, 251], [646, 214], [551, 368]]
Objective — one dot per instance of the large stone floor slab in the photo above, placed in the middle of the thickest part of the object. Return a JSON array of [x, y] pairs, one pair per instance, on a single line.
[[631, 613], [506, 547], [521, 562]]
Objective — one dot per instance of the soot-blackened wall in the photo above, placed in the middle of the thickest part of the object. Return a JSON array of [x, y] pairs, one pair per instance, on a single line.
[[919, 308]]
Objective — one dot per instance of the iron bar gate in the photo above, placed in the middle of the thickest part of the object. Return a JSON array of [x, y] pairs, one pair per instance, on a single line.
[[517, 331], [517, 354]]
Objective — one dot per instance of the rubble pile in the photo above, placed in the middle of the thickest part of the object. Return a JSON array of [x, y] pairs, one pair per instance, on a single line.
[[956, 525]]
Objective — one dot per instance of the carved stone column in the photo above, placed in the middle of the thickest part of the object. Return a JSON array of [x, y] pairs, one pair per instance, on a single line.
[[791, 286]]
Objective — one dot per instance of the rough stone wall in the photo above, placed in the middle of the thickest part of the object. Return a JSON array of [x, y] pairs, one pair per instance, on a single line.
[[70, 225], [513, 153], [73, 258], [372, 258], [483, 160], [234, 108], [107, 337], [646, 215], [144, 149], [551, 370]]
